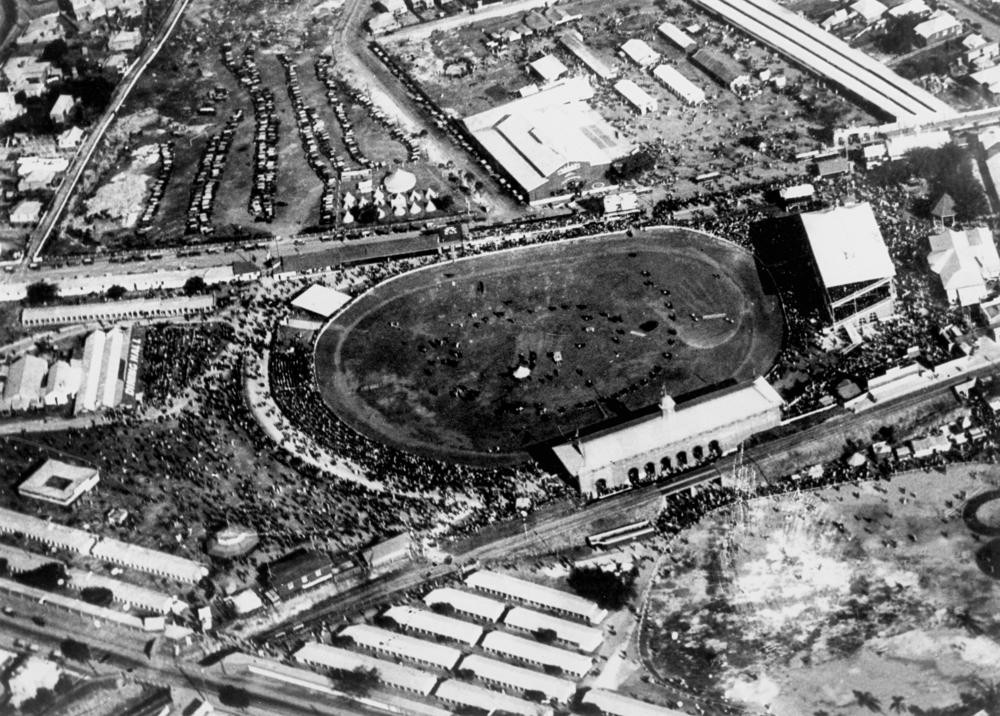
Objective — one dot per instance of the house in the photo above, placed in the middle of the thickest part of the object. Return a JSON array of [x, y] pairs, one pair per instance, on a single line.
[[43, 30], [837, 19], [39, 173], [938, 27], [298, 571], [70, 140], [87, 11], [910, 7], [125, 8], [26, 213], [396, 7], [870, 11], [382, 22], [29, 75], [116, 63], [548, 68], [60, 110], [389, 553], [943, 210], [636, 96], [9, 108], [124, 41], [23, 388]]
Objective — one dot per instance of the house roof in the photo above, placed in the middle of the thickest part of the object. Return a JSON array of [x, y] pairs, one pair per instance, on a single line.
[[476, 604], [427, 621], [847, 245], [940, 21], [635, 94], [869, 10], [399, 675], [944, 207]]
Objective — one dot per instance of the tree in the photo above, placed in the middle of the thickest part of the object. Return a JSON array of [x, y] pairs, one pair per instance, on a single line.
[[610, 590], [41, 292], [534, 695], [75, 650], [552, 669], [545, 636], [234, 697], [101, 596], [195, 284], [633, 165], [368, 214], [47, 577], [359, 682], [115, 292], [442, 608]]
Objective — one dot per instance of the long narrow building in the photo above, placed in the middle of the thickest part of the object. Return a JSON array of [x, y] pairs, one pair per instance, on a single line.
[[815, 49]]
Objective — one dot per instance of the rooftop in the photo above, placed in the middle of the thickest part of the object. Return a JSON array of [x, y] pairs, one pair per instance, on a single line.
[[847, 245], [59, 482]]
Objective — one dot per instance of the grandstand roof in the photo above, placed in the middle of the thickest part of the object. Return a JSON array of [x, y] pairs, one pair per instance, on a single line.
[[423, 620], [548, 67], [536, 652], [489, 701], [133, 307], [321, 300], [398, 675], [59, 482], [535, 136], [812, 47], [847, 245], [584, 637], [522, 589], [372, 637], [697, 417], [475, 604], [519, 677], [615, 704]]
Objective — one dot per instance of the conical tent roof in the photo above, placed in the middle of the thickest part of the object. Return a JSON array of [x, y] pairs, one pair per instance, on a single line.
[[400, 182]]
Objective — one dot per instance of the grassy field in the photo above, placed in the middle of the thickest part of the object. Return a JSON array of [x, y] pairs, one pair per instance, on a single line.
[[428, 360]]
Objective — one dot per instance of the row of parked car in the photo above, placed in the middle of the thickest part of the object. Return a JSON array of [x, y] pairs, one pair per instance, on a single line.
[[164, 169], [453, 128], [204, 188], [265, 115], [315, 141], [376, 113], [334, 89]]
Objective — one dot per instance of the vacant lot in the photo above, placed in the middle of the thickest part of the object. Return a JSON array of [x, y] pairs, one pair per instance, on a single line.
[[497, 353]]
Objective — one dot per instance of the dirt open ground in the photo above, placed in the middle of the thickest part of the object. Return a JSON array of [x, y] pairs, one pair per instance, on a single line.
[[863, 599], [428, 360]]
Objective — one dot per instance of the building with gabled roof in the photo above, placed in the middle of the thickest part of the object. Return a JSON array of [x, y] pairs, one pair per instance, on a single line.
[[611, 703], [964, 261], [939, 26], [428, 622], [383, 641], [679, 85], [467, 603], [869, 10], [580, 636], [636, 96], [400, 676], [461, 693], [677, 36], [518, 678], [573, 42], [23, 388], [640, 52], [548, 68], [521, 590], [531, 651]]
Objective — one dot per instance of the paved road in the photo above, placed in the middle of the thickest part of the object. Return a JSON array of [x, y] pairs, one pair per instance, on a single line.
[[64, 193]]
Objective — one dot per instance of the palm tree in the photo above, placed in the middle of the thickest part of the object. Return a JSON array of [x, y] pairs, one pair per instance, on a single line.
[[868, 700], [897, 704]]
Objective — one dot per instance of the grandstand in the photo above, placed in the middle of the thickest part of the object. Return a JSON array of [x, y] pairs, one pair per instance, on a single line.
[[827, 56]]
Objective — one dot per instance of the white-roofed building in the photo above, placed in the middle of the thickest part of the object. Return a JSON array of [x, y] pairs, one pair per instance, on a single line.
[[910, 7], [43, 30], [9, 108], [965, 261], [989, 140], [133, 309], [897, 146], [715, 423], [518, 678], [321, 300], [461, 693], [636, 96], [686, 90], [49, 533], [551, 144], [59, 482], [28, 74], [124, 41], [61, 108], [640, 52], [548, 68], [534, 652], [150, 561], [90, 372], [578, 635], [130, 596], [26, 213], [612, 703], [69, 140], [403, 646], [573, 42], [538, 595], [869, 10], [63, 382], [428, 622], [23, 388], [677, 36], [398, 676], [939, 26], [466, 603], [851, 263]]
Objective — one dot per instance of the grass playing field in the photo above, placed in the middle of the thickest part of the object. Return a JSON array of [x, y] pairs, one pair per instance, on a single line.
[[595, 328]]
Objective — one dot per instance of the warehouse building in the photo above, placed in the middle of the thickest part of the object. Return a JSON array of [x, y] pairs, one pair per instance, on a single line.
[[577, 635], [518, 678], [399, 676], [467, 604], [438, 625], [462, 694], [548, 68], [683, 88], [679, 433], [572, 41], [299, 571], [551, 144], [640, 53], [23, 388], [521, 590], [677, 36], [534, 652], [612, 703], [721, 68], [636, 96], [383, 641]]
